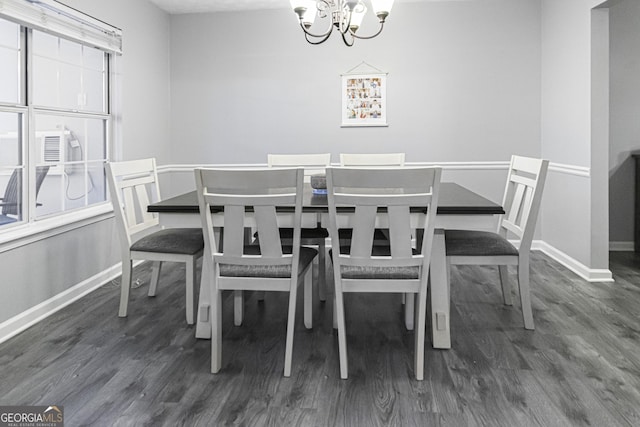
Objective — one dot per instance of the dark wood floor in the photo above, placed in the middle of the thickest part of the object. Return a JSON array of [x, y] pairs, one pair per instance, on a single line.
[[580, 367]]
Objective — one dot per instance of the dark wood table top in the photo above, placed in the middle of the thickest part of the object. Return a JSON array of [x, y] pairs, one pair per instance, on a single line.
[[454, 200]]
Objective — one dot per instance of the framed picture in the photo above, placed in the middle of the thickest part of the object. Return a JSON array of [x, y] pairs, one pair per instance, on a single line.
[[364, 99]]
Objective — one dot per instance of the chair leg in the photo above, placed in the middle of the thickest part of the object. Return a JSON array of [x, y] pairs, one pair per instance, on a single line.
[[409, 310], [525, 296], [288, 350], [322, 283], [420, 330], [334, 308], [503, 270], [216, 329], [342, 335], [238, 307], [155, 278], [190, 281], [308, 298], [125, 287]]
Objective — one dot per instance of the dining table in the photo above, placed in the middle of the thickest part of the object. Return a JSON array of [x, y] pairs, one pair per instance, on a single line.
[[458, 208]]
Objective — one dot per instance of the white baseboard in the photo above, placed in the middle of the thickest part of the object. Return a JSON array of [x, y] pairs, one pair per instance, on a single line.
[[589, 274], [621, 246], [30, 317]]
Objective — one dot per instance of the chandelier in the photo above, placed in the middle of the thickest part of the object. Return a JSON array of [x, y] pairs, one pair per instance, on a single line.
[[344, 15]]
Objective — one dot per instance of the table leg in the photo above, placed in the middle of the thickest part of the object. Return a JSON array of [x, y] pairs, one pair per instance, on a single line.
[[203, 325], [439, 293], [409, 310]]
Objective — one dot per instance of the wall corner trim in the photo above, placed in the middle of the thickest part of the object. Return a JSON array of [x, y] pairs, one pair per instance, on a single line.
[[588, 274], [622, 246]]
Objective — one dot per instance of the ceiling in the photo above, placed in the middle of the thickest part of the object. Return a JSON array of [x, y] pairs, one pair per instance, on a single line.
[[196, 6]]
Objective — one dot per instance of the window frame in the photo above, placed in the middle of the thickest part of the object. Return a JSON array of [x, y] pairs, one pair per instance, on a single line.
[[30, 229]]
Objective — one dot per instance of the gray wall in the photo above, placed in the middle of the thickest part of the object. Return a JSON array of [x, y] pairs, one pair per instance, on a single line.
[[625, 118], [459, 89], [35, 272]]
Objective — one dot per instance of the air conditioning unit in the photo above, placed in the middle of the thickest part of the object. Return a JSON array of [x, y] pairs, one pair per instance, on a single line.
[[54, 148]]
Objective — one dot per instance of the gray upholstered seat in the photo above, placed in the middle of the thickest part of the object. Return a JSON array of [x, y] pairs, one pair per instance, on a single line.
[[267, 271], [477, 243], [186, 241], [377, 272]]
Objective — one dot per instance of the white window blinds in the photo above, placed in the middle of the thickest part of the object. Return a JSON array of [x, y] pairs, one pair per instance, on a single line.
[[63, 21]]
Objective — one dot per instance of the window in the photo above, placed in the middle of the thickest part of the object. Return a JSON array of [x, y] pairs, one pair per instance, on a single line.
[[12, 165], [55, 111]]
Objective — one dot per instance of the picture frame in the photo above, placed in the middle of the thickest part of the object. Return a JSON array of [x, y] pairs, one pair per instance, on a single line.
[[364, 99]]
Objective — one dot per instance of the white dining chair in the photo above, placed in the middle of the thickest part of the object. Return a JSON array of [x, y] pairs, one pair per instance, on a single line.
[[382, 197], [133, 186], [249, 198], [521, 202], [313, 164]]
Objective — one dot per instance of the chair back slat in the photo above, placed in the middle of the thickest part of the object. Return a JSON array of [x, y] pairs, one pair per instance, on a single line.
[[372, 159], [400, 230], [514, 212], [518, 179], [133, 185], [129, 206], [383, 197], [363, 231], [215, 199], [267, 227], [522, 198], [250, 198], [234, 229], [143, 202], [136, 181]]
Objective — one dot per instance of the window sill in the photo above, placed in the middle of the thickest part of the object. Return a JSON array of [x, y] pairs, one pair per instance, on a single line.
[[29, 233]]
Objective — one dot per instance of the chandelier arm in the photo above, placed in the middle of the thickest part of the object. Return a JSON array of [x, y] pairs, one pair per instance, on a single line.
[[344, 39], [308, 33], [324, 39], [368, 37]]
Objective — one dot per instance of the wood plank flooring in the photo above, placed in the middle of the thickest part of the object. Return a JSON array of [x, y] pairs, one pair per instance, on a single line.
[[580, 367]]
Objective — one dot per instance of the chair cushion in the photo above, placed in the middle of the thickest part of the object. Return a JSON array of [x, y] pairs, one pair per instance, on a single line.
[[186, 241], [477, 243], [268, 271], [382, 273]]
